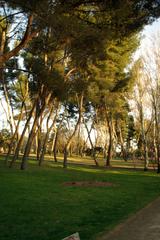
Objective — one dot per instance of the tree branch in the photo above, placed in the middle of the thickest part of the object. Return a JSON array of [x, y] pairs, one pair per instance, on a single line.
[[10, 15], [26, 38]]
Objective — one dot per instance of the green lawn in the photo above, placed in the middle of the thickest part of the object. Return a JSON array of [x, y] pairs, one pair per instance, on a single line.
[[35, 205]]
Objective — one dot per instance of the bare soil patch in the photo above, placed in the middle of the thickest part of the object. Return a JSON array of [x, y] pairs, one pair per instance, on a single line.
[[89, 184]]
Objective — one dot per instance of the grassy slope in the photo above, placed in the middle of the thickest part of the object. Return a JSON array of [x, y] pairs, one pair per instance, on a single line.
[[35, 205]]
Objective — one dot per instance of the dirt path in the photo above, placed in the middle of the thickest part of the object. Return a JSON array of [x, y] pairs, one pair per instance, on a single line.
[[145, 225]]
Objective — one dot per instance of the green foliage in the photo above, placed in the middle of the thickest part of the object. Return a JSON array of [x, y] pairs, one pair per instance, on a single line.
[[79, 48], [94, 36], [19, 91], [5, 137]]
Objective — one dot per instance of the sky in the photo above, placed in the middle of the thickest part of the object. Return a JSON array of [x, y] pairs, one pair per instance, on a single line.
[[146, 34]]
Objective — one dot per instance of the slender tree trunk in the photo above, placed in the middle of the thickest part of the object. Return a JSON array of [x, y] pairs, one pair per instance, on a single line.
[[92, 146], [157, 146], [39, 140], [3, 41], [15, 134], [146, 161], [16, 154], [43, 151], [55, 146], [33, 133], [47, 133], [122, 144], [71, 150], [158, 158], [38, 135], [85, 142], [53, 140], [110, 131], [29, 142], [9, 111], [2, 49], [56, 137], [78, 142], [66, 149], [157, 130], [145, 149], [67, 146]]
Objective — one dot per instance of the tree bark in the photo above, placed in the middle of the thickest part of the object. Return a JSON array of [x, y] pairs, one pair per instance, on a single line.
[[145, 149], [26, 38], [9, 110], [39, 142], [123, 151], [92, 146], [110, 131], [56, 137], [15, 134], [55, 146], [47, 134], [33, 133], [28, 145], [16, 154], [67, 145], [156, 130]]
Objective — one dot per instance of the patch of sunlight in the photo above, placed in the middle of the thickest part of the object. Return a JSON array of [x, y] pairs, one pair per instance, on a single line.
[[55, 165], [90, 170], [51, 165], [117, 172]]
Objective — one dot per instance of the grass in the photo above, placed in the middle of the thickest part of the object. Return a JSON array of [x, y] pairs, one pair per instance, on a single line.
[[116, 162], [34, 204]]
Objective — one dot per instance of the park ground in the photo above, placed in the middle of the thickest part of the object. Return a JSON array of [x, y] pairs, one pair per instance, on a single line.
[[144, 225], [50, 202]]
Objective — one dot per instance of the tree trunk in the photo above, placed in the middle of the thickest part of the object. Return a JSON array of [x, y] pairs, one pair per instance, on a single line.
[[55, 146], [146, 161], [16, 154], [15, 134], [33, 131], [91, 143], [145, 149], [48, 132], [78, 142], [67, 146], [122, 144], [39, 141], [157, 143], [26, 38], [66, 149], [9, 110], [110, 131], [29, 142], [56, 137]]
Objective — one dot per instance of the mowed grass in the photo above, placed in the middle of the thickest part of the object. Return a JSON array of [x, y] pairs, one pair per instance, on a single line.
[[35, 205]]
